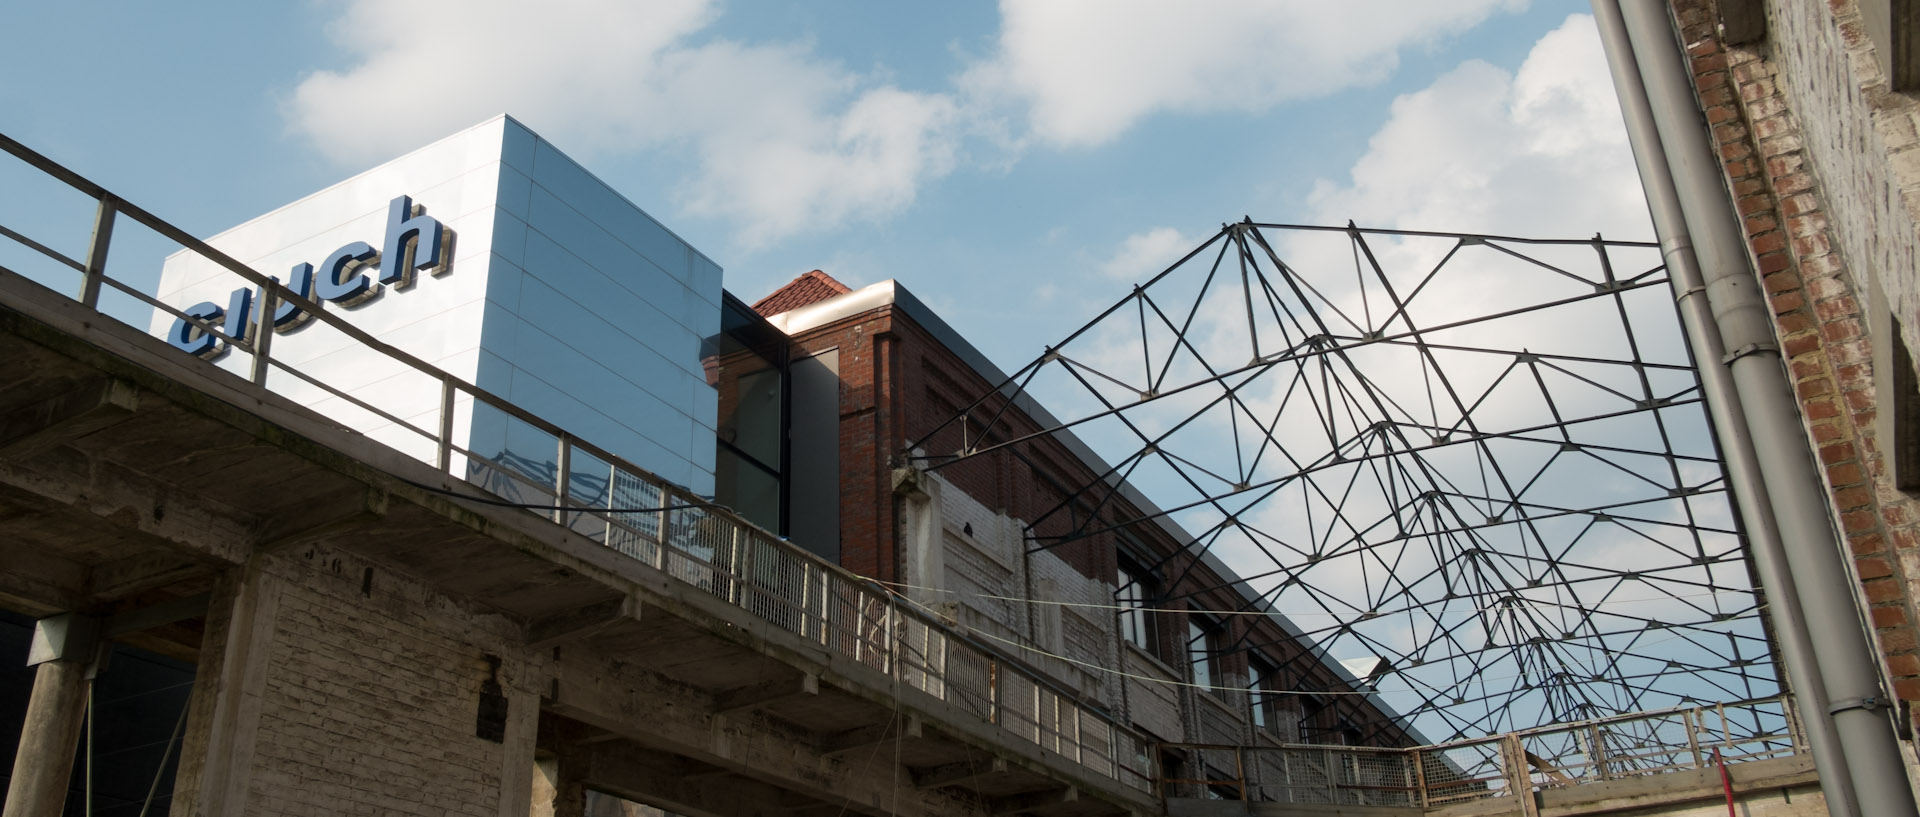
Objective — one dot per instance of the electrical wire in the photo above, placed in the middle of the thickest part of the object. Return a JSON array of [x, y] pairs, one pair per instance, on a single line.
[[1412, 685], [1124, 607], [534, 506]]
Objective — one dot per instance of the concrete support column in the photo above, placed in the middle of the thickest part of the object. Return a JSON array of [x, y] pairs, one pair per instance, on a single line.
[[924, 535], [223, 717], [55, 713]]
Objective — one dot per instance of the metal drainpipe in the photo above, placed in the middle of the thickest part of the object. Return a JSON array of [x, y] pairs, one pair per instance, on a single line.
[[1724, 406], [1793, 485]]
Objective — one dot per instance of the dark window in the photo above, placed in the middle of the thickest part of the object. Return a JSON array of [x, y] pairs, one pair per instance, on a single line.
[[1261, 702], [1139, 598], [747, 365], [1896, 393], [1203, 650]]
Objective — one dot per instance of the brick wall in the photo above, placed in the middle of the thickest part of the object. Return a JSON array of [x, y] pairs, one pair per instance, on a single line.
[[371, 695], [1859, 139], [899, 384], [1802, 145]]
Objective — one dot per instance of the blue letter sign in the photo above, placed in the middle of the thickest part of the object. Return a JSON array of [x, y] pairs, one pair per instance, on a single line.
[[414, 241]]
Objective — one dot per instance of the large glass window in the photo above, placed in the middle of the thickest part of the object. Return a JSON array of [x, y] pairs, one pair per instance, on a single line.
[[748, 366]]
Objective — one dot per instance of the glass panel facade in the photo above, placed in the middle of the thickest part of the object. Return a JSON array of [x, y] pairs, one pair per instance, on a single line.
[[747, 365]]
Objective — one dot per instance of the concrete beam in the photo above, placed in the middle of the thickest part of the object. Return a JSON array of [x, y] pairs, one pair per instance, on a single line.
[[32, 430], [954, 774], [121, 578], [40, 584], [324, 519], [580, 623], [155, 615], [899, 727], [1036, 800], [766, 693], [654, 712], [134, 503], [660, 780]]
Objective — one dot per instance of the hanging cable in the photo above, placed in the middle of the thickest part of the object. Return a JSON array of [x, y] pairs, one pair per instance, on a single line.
[[178, 725], [534, 506]]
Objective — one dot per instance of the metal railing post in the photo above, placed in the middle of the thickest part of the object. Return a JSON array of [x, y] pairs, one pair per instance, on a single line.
[[263, 335], [1240, 770], [1420, 778], [561, 479], [1158, 774], [1795, 737], [1598, 742], [742, 564], [445, 453], [993, 690], [1518, 778], [665, 532], [1690, 717], [1037, 721], [96, 270]]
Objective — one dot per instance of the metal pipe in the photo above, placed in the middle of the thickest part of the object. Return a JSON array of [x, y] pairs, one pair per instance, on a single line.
[[1725, 409], [1827, 593]]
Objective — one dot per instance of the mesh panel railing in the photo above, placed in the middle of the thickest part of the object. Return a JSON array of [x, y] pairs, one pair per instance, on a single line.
[[600, 496], [1625, 746]]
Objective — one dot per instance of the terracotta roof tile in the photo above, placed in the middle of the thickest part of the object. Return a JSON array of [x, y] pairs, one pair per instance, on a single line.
[[811, 288]]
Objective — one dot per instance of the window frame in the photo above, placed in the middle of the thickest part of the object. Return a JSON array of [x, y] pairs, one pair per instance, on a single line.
[[1203, 653], [1262, 710]]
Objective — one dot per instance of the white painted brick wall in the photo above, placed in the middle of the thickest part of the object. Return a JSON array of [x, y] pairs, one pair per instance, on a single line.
[[370, 699], [1862, 142]]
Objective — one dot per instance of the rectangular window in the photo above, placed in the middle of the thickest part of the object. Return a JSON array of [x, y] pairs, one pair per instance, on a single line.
[[1202, 646], [1136, 597], [1260, 703]]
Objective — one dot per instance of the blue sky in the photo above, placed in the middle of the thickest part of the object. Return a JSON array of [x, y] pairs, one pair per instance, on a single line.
[[1017, 166]]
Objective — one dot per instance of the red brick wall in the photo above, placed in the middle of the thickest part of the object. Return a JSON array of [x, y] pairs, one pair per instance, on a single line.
[[1819, 317], [899, 383]]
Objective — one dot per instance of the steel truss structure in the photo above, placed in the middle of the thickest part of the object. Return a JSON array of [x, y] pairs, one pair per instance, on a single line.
[[1479, 467]]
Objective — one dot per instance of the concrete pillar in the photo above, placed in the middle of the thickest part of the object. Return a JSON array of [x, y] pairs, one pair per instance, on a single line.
[[55, 713], [925, 537], [545, 787], [223, 717], [521, 780]]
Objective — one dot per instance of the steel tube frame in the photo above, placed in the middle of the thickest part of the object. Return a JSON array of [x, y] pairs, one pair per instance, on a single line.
[[1673, 145]]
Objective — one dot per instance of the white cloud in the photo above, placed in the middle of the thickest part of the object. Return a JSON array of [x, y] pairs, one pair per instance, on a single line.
[[1537, 153], [783, 141], [1143, 255], [1088, 70]]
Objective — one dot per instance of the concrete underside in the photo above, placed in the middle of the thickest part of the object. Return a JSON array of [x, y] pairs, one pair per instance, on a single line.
[[132, 476]]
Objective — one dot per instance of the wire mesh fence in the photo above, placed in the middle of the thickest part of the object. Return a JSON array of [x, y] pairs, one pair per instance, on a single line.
[[1626, 746]]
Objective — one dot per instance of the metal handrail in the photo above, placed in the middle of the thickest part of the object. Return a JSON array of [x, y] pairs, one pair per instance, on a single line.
[[705, 545], [1500, 765]]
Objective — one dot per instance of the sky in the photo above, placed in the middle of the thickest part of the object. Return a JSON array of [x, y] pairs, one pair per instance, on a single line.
[[1016, 166]]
